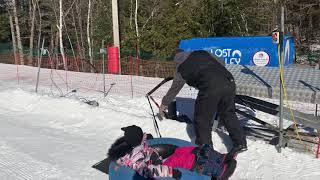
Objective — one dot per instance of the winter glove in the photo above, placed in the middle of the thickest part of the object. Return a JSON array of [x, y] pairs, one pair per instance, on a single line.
[[176, 174], [163, 109]]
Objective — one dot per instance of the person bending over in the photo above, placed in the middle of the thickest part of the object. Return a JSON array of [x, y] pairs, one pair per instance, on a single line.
[[216, 86]]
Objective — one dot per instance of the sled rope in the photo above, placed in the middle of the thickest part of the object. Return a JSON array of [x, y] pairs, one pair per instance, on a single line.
[[287, 101]]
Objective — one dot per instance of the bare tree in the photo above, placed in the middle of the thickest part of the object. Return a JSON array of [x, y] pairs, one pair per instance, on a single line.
[[60, 27], [131, 9], [155, 8], [69, 39], [32, 18], [55, 47], [78, 10], [89, 34], [137, 28], [39, 28], [78, 46], [15, 14], [13, 36]]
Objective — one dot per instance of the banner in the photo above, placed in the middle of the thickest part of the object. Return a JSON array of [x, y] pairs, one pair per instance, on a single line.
[[248, 50]]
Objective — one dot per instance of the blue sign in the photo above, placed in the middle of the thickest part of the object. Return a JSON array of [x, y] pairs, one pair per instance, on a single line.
[[248, 50]]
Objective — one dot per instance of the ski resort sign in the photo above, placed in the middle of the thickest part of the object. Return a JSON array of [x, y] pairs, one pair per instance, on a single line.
[[261, 58], [250, 50], [229, 55]]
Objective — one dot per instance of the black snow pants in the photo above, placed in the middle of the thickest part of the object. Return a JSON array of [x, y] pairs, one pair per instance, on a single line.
[[217, 97]]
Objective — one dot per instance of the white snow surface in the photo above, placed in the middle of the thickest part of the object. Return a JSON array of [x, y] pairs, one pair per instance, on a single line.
[[45, 136]]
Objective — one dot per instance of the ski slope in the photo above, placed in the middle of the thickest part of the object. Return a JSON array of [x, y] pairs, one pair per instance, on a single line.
[[45, 136]]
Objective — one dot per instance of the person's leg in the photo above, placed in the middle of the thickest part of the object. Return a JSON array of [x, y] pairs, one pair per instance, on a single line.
[[205, 107], [232, 124], [226, 111]]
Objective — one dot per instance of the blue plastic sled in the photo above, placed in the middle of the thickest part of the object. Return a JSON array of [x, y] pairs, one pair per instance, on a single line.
[[117, 172]]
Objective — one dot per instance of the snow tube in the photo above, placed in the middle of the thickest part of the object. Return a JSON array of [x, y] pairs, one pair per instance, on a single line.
[[117, 172]]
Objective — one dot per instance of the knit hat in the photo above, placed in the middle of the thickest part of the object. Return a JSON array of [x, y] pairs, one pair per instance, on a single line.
[[181, 56], [133, 135]]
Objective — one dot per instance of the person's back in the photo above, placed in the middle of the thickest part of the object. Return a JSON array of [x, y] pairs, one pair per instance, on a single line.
[[201, 69]]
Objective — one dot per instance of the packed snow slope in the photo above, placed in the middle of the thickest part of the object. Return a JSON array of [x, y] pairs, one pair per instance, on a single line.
[[45, 136]]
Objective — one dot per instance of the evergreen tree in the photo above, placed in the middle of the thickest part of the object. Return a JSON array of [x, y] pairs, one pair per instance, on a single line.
[[161, 23], [4, 23]]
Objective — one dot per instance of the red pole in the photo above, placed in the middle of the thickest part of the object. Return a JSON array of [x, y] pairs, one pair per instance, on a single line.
[[113, 60]]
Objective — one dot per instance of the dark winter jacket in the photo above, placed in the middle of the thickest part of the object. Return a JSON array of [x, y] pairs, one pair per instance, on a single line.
[[198, 69], [201, 70]]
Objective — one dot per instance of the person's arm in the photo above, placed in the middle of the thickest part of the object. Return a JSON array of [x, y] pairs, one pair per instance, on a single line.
[[177, 84]]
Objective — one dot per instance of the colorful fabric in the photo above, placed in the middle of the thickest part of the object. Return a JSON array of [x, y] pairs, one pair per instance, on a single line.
[[183, 157], [146, 161], [210, 162], [203, 160]]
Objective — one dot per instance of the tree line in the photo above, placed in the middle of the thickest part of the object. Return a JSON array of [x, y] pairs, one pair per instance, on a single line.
[[149, 28]]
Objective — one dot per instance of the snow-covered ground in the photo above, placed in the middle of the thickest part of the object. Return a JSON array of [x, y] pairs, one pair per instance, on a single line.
[[45, 136]]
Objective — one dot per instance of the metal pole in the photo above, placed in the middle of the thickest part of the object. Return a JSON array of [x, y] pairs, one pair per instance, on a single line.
[[318, 151], [103, 68], [111, 85], [115, 25], [281, 85], [316, 114], [39, 64], [156, 127]]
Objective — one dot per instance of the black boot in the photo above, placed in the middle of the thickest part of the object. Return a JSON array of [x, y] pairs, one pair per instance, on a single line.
[[239, 148], [235, 150]]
